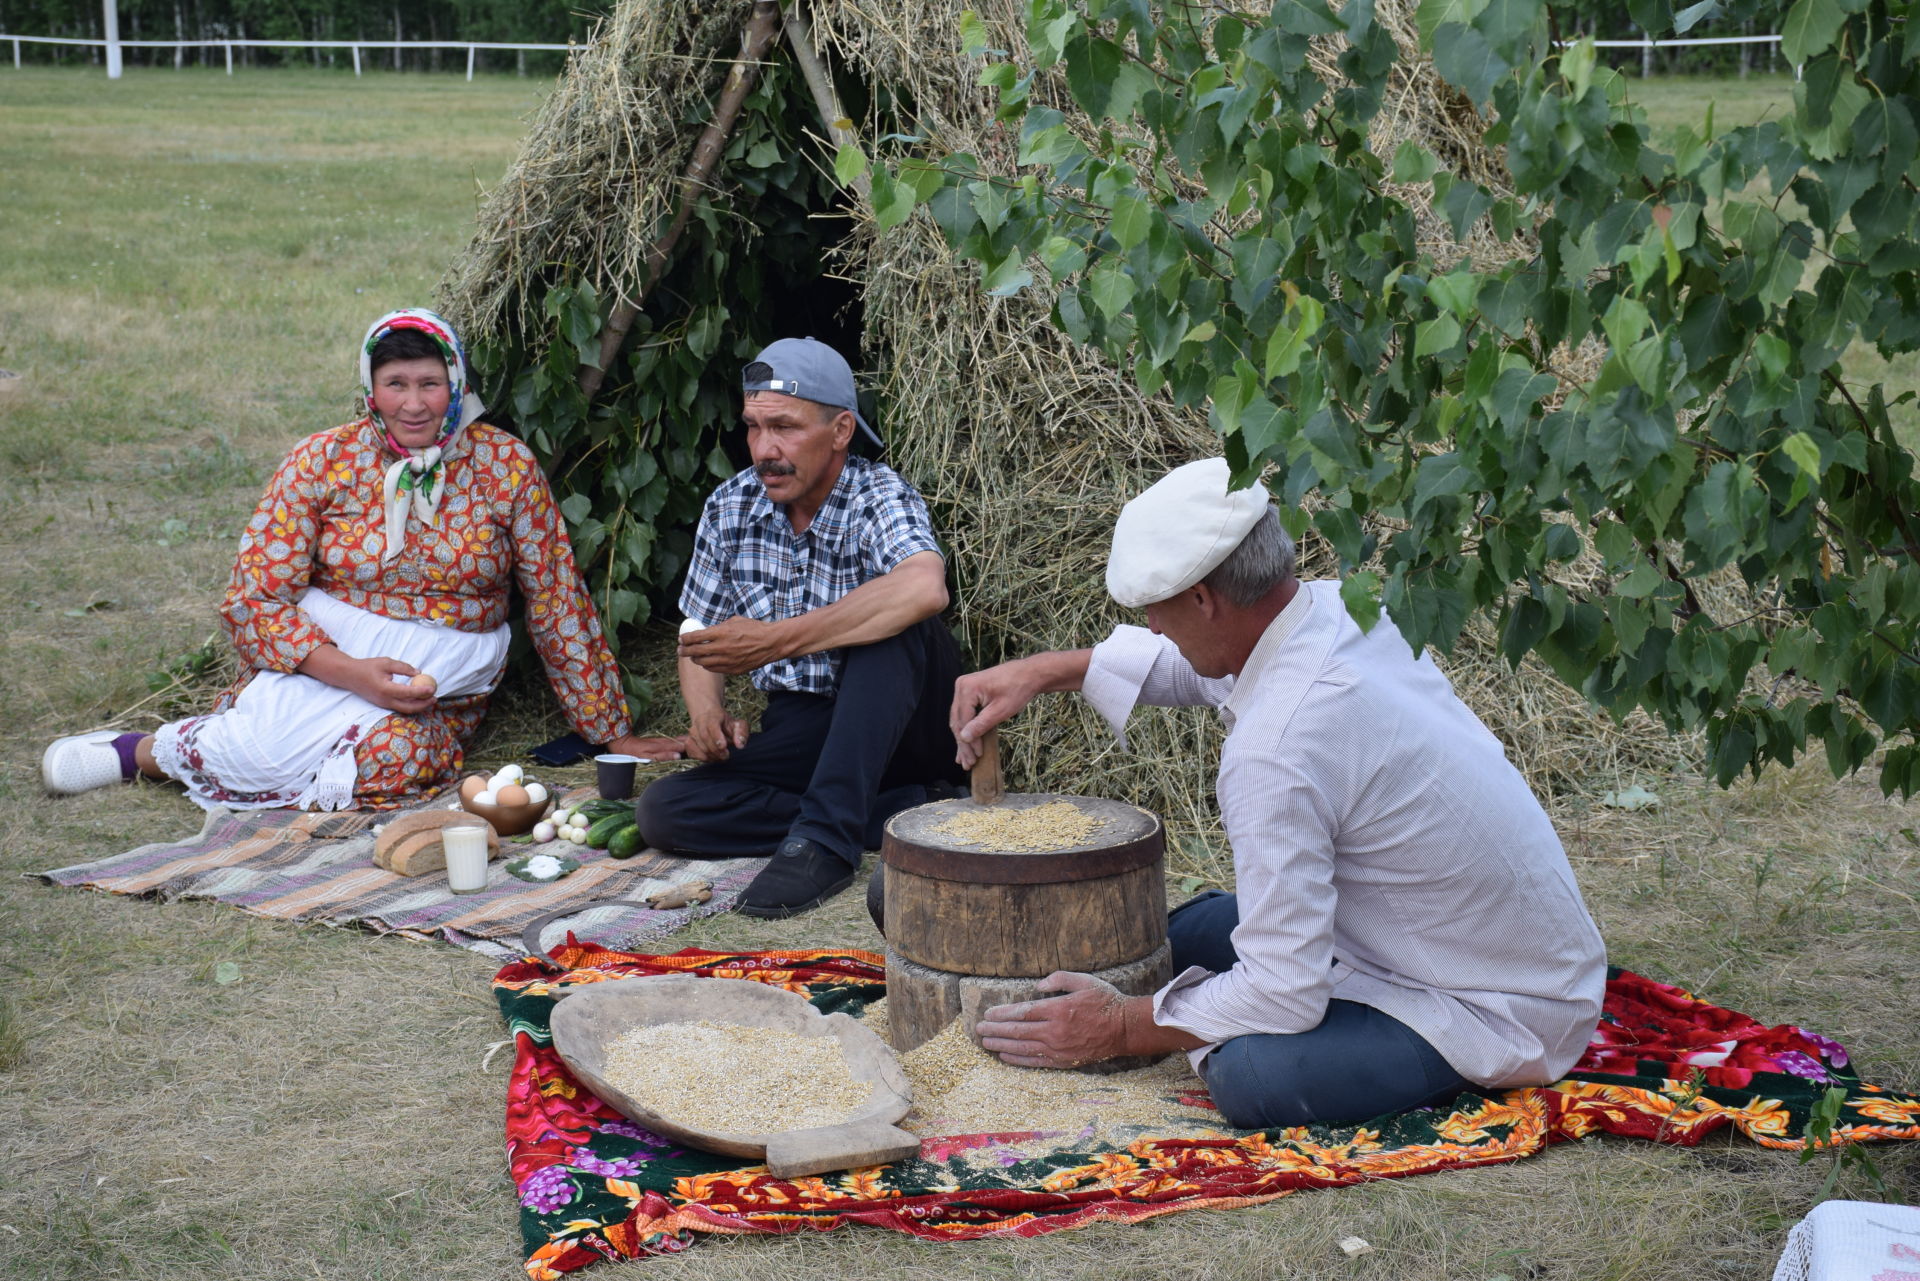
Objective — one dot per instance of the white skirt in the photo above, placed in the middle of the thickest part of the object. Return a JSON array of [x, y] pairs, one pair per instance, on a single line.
[[288, 740]]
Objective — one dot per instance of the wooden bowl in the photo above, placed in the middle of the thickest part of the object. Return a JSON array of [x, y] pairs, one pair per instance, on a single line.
[[509, 820], [591, 1017]]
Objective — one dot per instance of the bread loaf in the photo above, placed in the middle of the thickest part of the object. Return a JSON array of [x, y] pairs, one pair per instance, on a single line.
[[410, 844]]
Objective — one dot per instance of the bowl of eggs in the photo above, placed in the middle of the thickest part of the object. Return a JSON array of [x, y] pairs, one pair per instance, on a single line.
[[511, 802]]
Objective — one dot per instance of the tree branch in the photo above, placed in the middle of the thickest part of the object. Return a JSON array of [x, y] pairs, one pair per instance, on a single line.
[[706, 155]]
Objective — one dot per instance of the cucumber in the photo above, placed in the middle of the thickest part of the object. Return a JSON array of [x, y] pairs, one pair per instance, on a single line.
[[603, 829], [625, 843]]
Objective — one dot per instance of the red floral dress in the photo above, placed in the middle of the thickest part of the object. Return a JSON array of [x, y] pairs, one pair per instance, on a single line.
[[320, 525]]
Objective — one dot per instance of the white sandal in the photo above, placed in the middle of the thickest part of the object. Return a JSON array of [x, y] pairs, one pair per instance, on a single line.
[[80, 763]]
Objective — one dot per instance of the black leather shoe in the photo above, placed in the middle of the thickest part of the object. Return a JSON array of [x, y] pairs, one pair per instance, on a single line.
[[801, 876]]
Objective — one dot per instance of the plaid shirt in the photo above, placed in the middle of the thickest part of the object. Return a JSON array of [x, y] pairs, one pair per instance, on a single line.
[[748, 561]]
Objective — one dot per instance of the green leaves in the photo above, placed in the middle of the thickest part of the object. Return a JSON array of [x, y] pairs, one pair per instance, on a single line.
[[1360, 593], [849, 162], [1220, 225], [1130, 221], [1810, 27]]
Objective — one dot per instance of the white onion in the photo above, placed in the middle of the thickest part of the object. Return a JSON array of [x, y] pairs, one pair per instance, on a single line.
[[544, 832]]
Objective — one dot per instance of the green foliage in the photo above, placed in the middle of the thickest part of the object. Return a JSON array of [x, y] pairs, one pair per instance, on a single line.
[[1224, 231], [1845, 1155], [632, 468]]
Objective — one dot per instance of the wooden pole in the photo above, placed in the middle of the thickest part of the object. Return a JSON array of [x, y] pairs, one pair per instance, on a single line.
[[988, 786], [706, 155], [826, 99]]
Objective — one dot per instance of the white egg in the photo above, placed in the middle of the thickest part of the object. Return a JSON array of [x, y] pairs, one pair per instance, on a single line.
[[511, 773], [544, 832], [692, 625], [484, 797], [497, 782], [536, 792]]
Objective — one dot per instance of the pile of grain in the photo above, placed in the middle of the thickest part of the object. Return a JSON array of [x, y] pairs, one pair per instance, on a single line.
[[959, 1088], [1056, 825], [726, 1079]]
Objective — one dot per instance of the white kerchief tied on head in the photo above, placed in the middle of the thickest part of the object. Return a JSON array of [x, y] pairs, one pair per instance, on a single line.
[[1179, 530], [414, 480]]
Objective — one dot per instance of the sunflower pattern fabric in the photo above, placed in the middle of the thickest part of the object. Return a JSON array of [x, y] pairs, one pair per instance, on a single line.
[[1664, 1066], [321, 524]]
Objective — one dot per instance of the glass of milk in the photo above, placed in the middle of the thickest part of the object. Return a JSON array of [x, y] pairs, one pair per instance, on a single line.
[[466, 848]]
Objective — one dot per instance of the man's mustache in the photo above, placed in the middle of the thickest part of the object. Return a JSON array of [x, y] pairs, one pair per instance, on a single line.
[[772, 467]]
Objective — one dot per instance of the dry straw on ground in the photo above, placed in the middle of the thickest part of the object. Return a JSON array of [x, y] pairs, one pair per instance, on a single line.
[[1024, 443], [959, 1088]]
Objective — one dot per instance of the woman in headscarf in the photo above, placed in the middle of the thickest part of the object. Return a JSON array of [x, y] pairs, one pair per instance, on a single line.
[[369, 607]]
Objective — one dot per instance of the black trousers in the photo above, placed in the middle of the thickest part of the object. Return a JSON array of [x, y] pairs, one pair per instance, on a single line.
[[831, 769]]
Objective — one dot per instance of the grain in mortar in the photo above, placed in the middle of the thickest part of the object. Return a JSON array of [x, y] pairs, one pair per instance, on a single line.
[[727, 1079], [1056, 825], [959, 1088]]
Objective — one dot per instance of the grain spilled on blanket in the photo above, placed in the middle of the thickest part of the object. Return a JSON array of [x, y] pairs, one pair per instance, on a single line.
[[727, 1079], [1056, 825], [959, 1088]]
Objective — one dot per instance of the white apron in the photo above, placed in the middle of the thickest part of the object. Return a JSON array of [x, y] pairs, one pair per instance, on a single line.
[[289, 739]]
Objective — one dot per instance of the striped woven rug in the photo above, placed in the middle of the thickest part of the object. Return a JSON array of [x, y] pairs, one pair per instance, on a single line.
[[297, 866]]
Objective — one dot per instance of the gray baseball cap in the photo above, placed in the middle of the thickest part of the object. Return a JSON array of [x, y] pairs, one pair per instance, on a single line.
[[811, 370]]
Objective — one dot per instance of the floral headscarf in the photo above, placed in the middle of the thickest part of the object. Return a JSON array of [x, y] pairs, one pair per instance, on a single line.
[[413, 481]]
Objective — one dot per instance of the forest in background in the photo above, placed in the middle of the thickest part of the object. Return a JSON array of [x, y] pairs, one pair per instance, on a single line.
[[558, 21]]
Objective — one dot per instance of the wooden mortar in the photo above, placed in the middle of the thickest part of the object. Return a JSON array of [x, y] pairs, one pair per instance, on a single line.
[[968, 927]]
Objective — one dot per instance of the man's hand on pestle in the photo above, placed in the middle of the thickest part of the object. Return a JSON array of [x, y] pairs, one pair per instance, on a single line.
[[983, 699], [1089, 1022]]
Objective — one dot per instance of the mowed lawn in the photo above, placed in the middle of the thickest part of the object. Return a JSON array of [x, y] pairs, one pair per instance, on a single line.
[[186, 264]]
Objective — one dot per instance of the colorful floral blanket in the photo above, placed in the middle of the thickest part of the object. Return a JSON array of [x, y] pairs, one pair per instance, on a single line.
[[1664, 1065]]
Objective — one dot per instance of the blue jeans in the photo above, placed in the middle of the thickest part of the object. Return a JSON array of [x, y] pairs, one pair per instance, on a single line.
[[1357, 1065]]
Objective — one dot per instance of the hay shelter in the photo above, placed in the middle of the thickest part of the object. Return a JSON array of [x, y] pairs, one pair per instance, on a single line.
[[720, 232]]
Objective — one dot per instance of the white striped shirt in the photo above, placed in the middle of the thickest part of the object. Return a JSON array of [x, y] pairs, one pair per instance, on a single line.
[[1386, 851]]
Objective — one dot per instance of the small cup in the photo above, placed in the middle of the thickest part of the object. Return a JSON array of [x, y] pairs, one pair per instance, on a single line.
[[466, 849], [615, 775]]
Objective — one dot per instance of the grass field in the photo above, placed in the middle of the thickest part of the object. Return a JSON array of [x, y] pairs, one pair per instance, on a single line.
[[187, 262]]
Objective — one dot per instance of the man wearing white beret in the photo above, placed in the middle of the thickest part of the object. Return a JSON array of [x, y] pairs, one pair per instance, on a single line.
[[1406, 924]]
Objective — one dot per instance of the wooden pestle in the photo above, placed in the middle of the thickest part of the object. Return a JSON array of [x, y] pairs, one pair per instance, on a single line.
[[988, 786]]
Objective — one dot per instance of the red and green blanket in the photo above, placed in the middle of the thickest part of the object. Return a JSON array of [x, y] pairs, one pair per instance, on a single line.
[[1664, 1065]]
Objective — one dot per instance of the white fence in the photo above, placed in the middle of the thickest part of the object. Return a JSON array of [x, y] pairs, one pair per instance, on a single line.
[[471, 46]]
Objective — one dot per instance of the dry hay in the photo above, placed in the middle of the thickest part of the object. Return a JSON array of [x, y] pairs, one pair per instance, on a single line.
[[959, 1088], [1024, 443]]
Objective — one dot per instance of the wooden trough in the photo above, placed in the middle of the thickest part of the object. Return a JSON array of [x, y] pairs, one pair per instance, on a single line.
[[591, 1018]]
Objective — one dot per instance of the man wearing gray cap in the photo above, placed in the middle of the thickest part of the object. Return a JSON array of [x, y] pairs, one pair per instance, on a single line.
[[1406, 925], [818, 572]]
